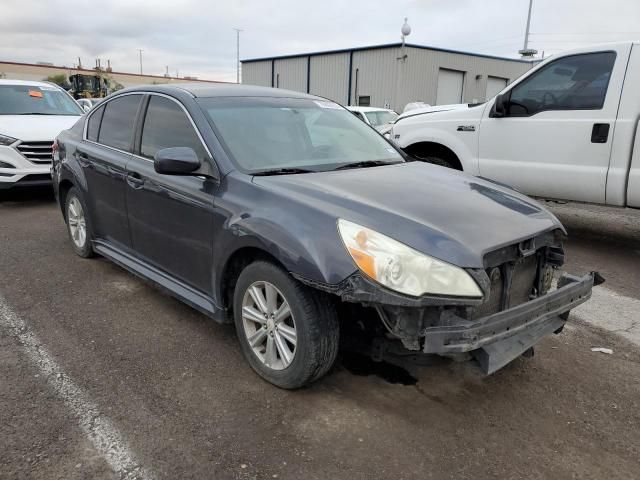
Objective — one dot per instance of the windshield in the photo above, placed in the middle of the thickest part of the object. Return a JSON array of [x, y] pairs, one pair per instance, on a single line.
[[381, 118], [33, 100], [267, 133]]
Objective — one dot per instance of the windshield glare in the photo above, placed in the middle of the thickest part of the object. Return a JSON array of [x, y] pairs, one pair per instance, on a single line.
[[44, 100], [265, 133], [381, 118]]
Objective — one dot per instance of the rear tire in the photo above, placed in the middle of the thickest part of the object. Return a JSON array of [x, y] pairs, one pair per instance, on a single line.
[[288, 345], [78, 223]]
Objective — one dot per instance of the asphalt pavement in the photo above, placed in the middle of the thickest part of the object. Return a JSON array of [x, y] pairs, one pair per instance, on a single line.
[[102, 376]]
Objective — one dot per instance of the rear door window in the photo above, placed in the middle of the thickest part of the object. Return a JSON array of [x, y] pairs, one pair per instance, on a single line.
[[93, 125], [118, 122], [166, 125]]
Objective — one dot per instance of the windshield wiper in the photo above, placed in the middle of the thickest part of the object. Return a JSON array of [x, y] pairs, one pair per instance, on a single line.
[[35, 113], [364, 164], [282, 171]]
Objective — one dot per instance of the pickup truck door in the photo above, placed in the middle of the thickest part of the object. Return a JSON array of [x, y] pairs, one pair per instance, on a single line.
[[555, 137]]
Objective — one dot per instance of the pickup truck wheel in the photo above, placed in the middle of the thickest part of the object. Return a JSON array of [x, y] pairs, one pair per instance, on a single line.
[[288, 332], [443, 162], [78, 224]]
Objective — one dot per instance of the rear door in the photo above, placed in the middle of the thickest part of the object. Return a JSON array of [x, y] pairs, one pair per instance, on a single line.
[[555, 140], [103, 156], [170, 216]]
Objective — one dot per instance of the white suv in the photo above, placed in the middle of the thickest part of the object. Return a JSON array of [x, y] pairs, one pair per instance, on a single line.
[[32, 114]]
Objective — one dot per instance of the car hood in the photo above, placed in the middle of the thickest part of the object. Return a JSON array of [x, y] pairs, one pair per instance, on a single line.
[[447, 214], [35, 127]]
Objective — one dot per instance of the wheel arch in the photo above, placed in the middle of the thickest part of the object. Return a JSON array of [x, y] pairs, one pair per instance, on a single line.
[[233, 266], [63, 190], [435, 149]]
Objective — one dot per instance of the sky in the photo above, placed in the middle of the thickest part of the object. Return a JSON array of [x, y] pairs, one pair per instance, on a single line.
[[196, 37]]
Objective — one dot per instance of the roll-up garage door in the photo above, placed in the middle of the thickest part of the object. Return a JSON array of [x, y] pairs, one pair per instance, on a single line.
[[450, 84], [494, 85]]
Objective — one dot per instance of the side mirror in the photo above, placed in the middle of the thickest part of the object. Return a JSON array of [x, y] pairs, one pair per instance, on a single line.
[[499, 108], [176, 161], [86, 107]]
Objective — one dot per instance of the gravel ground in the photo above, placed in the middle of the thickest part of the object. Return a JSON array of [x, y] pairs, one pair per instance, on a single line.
[[159, 385]]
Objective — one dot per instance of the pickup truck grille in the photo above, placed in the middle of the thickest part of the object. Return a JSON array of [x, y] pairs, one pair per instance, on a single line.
[[523, 282], [37, 152]]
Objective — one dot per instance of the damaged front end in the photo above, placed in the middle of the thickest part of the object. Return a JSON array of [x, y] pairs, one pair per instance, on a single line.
[[517, 309]]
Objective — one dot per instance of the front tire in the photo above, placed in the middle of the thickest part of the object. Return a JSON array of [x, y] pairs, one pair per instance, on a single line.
[[78, 224], [288, 332]]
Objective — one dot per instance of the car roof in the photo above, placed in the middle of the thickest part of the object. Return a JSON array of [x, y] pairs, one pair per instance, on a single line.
[[206, 90], [28, 83], [368, 109]]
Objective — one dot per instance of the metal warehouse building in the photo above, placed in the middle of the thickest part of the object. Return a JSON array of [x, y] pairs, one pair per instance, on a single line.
[[388, 75]]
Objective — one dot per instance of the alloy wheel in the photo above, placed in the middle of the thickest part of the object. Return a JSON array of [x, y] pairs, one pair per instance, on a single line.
[[77, 222], [269, 325]]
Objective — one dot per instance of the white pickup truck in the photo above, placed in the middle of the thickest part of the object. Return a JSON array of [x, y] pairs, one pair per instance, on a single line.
[[568, 129]]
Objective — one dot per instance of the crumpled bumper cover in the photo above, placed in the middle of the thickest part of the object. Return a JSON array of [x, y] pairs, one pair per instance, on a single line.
[[497, 339]]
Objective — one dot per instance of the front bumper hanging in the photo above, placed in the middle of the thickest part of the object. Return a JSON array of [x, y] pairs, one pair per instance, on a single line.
[[497, 339]]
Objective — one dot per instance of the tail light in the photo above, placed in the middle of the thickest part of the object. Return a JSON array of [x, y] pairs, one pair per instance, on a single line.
[[55, 149]]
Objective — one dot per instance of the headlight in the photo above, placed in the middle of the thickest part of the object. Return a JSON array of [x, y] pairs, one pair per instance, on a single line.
[[5, 140], [401, 268]]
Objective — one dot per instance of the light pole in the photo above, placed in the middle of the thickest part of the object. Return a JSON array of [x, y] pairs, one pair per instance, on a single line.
[[140, 50], [405, 31], [237, 54], [526, 51]]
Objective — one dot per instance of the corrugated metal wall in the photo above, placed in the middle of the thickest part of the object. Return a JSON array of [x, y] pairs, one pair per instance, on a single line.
[[330, 76], [291, 74], [257, 73], [382, 75], [420, 74], [376, 72]]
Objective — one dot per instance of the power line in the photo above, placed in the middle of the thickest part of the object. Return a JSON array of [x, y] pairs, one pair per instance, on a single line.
[[499, 41], [586, 33]]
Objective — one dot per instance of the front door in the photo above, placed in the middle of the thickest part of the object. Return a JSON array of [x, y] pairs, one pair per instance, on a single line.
[[555, 139], [104, 155], [171, 216]]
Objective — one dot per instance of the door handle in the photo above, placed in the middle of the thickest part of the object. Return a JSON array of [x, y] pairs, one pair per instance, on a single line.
[[600, 133], [135, 180], [82, 158]]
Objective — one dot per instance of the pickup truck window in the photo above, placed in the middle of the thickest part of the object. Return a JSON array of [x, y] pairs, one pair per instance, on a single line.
[[576, 82]]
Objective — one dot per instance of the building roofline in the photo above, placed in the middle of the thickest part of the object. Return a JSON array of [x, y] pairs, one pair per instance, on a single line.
[[93, 71], [381, 47]]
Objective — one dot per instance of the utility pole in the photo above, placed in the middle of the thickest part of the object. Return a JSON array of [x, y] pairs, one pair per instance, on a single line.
[[527, 52], [237, 54], [140, 50]]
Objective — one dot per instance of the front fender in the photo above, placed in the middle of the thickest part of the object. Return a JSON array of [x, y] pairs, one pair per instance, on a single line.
[[463, 144], [458, 130], [311, 249]]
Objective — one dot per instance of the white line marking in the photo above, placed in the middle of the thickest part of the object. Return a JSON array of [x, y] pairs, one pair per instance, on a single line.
[[613, 312], [97, 427]]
